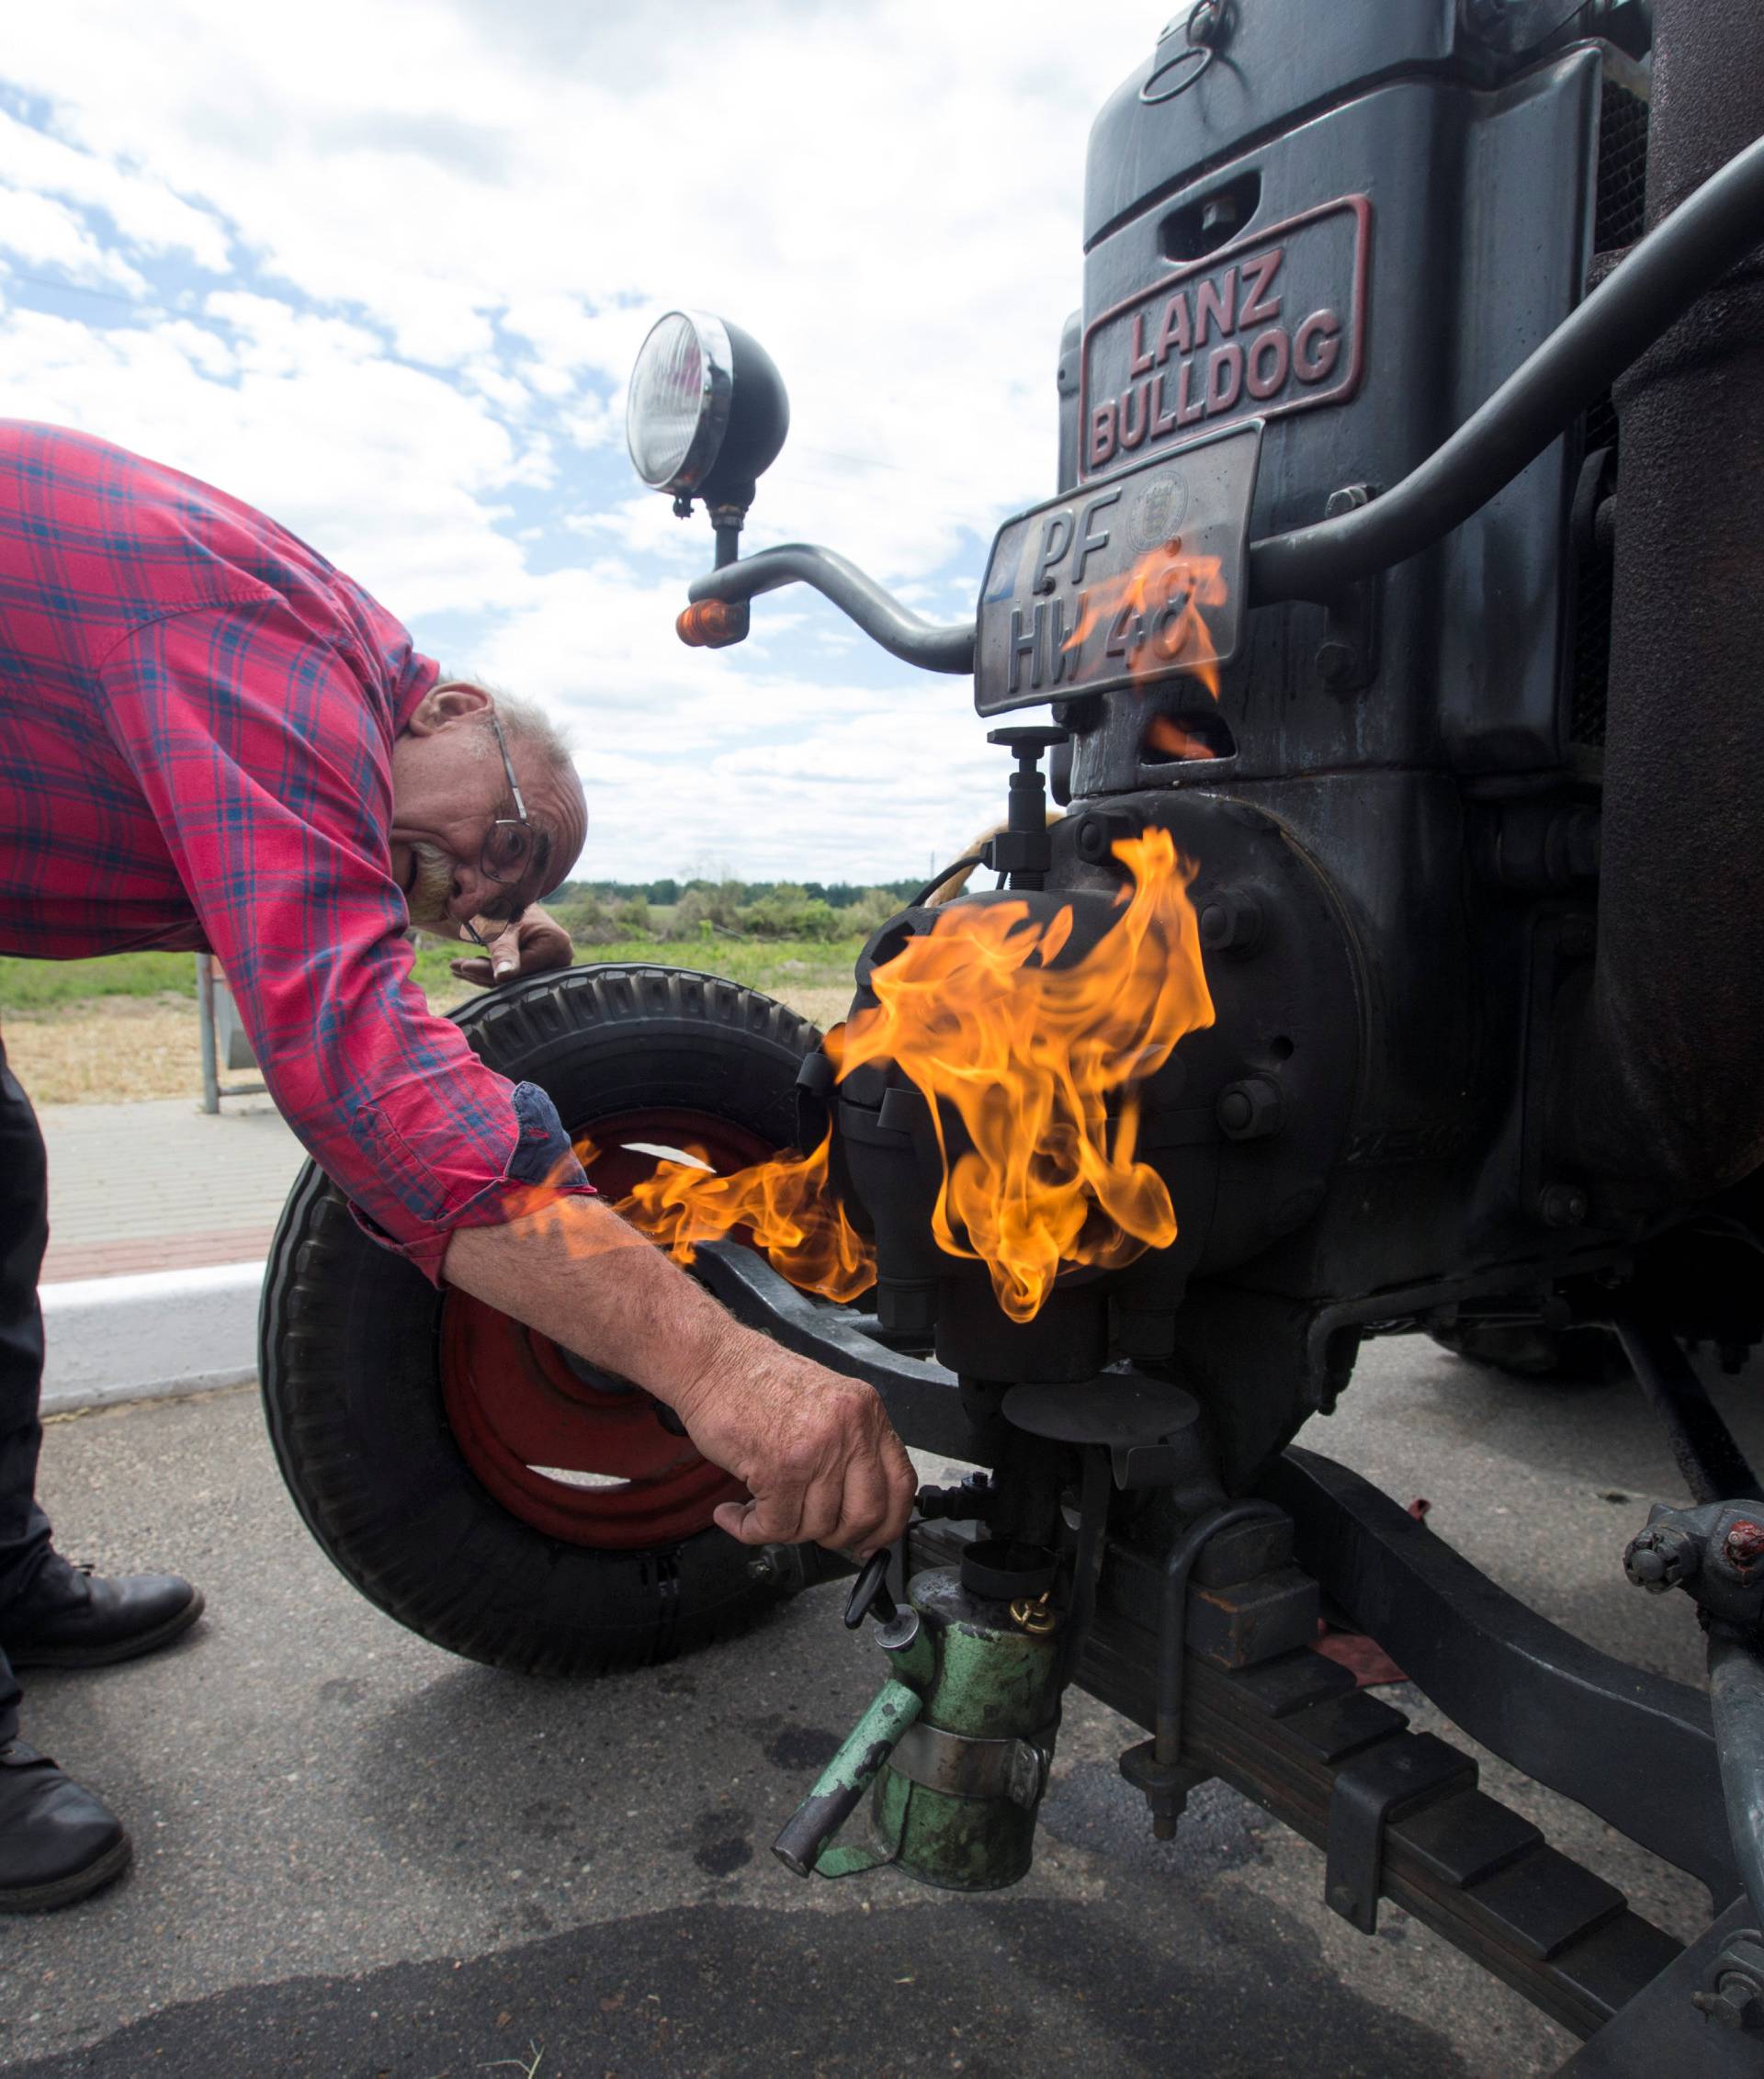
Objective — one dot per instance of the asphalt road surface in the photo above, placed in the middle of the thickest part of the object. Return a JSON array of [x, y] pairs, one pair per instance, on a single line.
[[359, 1856]]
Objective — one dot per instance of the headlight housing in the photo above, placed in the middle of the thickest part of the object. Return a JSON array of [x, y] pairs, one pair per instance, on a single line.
[[707, 410]]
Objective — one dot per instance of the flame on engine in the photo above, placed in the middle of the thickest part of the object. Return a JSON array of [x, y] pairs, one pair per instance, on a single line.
[[784, 1204], [1154, 612], [1040, 1063], [1165, 734]]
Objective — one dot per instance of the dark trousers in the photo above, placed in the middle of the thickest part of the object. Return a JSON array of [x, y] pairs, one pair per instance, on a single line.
[[24, 1235]]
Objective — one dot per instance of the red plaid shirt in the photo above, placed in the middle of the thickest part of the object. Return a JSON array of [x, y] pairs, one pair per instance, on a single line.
[[198, 722]]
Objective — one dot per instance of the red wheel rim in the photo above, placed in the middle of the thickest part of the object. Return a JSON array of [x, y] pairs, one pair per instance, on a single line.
[[524, 1411]]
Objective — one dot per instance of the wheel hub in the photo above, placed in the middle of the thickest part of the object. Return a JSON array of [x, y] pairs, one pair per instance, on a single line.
[[578, 1452]]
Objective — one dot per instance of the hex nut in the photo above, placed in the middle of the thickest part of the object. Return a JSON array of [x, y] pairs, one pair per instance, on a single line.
[[1231, 923], [1562, 1205], [1334, 662], [1660, 1558], [1249, 1110], [1099, 833], [1348, 499]]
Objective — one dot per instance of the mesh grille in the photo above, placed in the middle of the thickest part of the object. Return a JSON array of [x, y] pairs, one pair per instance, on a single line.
[[1623, 168], [1617, 218]]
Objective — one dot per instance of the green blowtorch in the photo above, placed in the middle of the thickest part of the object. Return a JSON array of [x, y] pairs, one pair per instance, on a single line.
[[955, 1746]]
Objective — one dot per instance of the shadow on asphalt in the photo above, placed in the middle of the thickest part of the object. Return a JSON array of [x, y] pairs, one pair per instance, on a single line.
[[1001, 1989]]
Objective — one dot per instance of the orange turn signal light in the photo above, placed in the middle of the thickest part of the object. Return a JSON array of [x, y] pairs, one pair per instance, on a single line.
[[712, 623]]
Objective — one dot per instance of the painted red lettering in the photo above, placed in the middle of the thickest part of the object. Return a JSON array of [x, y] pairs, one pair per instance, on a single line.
[[1101, 433], [1268, 360], [1316, 346], [1131, 426], [1187, 413], [1174, 331], [1138, 360], [1257, 307], [1217, 301], [1223, 380], [1162, 422]]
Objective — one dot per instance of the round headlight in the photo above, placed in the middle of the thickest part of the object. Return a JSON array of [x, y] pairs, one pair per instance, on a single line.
[[680, 390], [707, 410]]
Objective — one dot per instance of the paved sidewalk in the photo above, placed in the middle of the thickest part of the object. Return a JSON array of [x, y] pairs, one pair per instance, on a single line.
[[161, 1185]]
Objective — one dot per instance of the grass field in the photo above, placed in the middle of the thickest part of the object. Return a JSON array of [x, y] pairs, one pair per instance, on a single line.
[[86, 1032]]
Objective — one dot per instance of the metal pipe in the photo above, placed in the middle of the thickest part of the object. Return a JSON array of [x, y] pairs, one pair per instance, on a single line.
[[205, 1019], [1639, 300], [1736, 1701], [899, 631]]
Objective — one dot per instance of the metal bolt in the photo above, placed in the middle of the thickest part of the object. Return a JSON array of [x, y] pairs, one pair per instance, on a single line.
[[760, 1569], [1204, 22], [1334, 662], [1348, 499], [1231, 923], [1098, 832], [1745, 1545], [1249, 1110], [1734, 2003], [1562, 1205], [1659, 1559]]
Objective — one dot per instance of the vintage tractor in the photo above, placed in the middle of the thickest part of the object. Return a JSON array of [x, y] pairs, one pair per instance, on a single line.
[[1391, 643]]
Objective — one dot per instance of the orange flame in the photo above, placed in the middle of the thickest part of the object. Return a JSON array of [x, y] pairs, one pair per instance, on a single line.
[[1163, 733], [1040, 1063], [1154, 611], [785, 1203]]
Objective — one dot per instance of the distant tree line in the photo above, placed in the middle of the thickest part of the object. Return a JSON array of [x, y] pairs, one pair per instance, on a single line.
[[603, 912], [836, 895]]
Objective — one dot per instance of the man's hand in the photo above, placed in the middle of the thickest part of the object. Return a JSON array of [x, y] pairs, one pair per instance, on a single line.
[[815, 1448], [534, 942]]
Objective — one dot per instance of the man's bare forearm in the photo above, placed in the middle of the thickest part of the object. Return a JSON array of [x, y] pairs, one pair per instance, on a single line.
[[814, 1448], [587, 1278]]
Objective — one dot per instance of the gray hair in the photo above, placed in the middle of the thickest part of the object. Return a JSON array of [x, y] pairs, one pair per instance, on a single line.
[[525, 721]]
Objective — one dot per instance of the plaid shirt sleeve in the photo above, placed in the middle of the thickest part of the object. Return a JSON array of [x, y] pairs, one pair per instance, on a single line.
[[259, 750]]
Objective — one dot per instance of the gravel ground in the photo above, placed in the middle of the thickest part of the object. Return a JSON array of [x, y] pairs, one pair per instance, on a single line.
[[359, 1856]]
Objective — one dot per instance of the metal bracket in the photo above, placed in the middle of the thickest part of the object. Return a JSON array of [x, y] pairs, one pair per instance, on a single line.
[[1392, 1780], [966, 1768], [1635, 1749]]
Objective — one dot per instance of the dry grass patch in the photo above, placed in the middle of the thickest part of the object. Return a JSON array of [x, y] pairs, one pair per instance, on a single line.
[[117, 1049], [111, 1050]]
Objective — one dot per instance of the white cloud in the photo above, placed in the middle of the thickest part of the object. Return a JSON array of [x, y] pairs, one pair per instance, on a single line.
[[144, 210], [46, 234], [431, 264]]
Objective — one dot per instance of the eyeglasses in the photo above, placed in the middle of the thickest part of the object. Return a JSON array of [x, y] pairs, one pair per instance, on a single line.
[[511, 841]]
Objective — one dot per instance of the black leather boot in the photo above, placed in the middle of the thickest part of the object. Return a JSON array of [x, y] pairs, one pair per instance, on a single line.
[[73, 1618], [58, 1842]]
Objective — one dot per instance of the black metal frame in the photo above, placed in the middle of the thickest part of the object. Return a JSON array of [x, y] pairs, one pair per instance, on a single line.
[[1399, 1813]]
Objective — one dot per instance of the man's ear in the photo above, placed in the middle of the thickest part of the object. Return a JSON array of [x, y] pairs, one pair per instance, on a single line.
[[452, 700]]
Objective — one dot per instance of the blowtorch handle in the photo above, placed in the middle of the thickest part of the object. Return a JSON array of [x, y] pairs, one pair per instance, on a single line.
[[846, 1777]]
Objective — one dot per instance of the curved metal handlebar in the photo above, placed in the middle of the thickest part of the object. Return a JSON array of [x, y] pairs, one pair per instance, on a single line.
[[899, 631], [1663, 276]]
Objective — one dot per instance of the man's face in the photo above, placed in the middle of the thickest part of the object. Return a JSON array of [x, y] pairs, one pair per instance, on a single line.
[[449, 788]]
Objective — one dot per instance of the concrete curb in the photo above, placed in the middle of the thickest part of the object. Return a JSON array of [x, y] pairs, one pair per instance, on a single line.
[[142, 1336]]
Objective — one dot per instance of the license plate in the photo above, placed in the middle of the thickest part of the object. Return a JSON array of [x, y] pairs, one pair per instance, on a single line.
[[1274, 323], [1122, 582]]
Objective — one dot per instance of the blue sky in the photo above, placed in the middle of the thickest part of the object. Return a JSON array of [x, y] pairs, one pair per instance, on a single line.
[[381, 268]]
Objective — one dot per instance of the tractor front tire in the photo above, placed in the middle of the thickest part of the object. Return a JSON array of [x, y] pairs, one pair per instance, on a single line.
[[384, 1396]]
